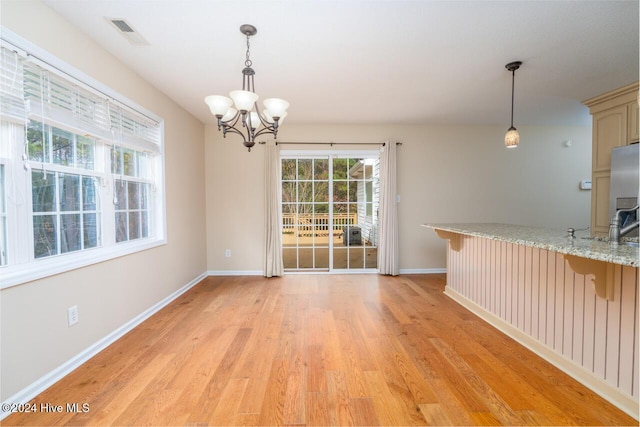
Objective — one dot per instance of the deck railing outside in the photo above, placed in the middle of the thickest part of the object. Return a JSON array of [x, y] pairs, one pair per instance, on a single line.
[[317, 224]]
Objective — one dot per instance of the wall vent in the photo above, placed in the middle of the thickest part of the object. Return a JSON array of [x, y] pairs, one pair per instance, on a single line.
[[127, 31]]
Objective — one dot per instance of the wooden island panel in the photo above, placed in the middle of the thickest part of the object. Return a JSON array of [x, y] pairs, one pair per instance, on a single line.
[[534, 296]]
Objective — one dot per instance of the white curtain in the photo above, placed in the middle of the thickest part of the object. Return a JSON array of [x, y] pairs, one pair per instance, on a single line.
[[388, 244], [273, 200]]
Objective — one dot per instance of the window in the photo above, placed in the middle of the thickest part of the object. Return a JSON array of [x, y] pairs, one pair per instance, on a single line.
[[49, 144], [66, 215], [80, 169], [369, 197], [131, 189]]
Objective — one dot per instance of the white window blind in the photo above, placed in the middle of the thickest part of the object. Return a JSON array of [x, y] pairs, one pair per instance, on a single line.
[[132, 130], [33, 89], [55, 100], [12, 106]]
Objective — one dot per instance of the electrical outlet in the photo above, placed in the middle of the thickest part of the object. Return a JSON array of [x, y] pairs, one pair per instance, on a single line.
[[227, 253], [72, 315]]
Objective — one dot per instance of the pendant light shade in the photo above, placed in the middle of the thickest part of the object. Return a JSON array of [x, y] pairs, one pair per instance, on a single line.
[[512, 138]]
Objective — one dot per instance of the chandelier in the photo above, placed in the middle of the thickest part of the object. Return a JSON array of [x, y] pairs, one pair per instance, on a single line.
[[239, 114]]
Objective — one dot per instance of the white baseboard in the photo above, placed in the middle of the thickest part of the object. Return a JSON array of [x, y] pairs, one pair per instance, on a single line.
[[335, 272], [46, 381], [235, 273], [368, 271], [422, 270], [621, 400]]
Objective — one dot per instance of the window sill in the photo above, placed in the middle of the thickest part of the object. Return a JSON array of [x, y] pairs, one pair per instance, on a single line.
[[14, 275]]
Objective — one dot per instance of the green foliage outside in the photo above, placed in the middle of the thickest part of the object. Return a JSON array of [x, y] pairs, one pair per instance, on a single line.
[[305, 185]]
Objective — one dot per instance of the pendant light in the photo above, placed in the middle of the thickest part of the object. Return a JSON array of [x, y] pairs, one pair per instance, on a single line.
[[512, 138]]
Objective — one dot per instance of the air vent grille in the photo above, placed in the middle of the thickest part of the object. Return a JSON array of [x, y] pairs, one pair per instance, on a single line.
[[127, 31], [122, 25]]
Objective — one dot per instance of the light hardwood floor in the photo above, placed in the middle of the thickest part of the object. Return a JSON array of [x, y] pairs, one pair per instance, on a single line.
[[320, 350]]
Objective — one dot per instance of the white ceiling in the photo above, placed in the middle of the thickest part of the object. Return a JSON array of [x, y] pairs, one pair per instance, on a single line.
[[394, 61]]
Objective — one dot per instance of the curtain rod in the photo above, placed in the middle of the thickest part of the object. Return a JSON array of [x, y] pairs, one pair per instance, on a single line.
[[328, 143]]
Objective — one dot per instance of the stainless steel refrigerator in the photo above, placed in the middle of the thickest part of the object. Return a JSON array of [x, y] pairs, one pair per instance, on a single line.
[[625, 182]]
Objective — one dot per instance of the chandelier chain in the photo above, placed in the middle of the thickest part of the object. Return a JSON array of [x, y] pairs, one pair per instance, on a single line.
[[247, 62]]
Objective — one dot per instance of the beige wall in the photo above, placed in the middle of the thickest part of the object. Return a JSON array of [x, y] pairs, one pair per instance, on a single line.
[[35, 337], [445, 174]]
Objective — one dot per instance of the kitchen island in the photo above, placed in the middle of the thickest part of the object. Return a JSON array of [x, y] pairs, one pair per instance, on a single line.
[[574, 301]]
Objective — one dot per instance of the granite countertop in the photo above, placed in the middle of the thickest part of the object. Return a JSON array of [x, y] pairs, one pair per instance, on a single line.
[[552, 240]]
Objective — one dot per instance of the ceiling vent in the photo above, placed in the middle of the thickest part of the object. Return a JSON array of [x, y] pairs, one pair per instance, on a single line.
[[127, 31]]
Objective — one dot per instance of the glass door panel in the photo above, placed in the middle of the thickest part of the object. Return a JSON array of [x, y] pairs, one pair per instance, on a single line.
[[290, 258], [340, 258], [322, 258]]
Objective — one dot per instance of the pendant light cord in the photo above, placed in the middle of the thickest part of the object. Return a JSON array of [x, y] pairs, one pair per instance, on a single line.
[[513, 80]]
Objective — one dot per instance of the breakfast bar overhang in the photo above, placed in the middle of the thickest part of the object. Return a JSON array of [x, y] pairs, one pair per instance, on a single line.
[[572, 300]]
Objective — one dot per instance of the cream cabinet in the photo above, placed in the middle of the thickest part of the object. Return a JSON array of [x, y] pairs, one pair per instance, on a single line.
[[600, 182], [615, 123], [632, 122], [610, 131]]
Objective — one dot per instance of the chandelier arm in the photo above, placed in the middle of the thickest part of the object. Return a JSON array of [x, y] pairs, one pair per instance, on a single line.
[[268, 127], [236, 131], [246, 123], [263, 119], [266, 130], [231, 122]]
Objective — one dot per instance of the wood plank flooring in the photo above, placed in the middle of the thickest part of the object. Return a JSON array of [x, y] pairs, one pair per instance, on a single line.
[[320, 350]]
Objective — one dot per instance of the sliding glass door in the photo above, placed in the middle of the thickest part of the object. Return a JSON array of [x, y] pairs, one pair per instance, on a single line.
[[330, 212]]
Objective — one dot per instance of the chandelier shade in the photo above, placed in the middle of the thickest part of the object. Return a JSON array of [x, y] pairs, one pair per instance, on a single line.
[[276, 107], [512, 138], [269, 118], [243, 99], [219, 105], [255, 120], [230, 114], [239, 113]]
